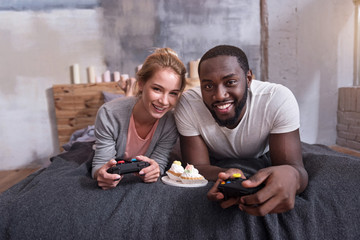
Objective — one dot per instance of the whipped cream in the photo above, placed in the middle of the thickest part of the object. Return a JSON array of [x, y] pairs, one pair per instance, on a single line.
[[176, 167], [191, 172]]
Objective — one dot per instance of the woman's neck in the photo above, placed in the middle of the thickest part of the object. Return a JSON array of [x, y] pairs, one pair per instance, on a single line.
[[141, 117]]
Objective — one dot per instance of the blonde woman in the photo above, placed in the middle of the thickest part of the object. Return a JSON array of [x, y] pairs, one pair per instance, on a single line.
[[141, 127]]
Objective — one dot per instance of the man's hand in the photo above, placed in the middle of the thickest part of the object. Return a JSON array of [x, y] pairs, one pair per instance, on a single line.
[[107, 180], [150, 173], [215, 195], [278, 194]]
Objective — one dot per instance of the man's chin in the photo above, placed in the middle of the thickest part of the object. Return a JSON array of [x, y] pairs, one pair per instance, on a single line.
[[224, 122]]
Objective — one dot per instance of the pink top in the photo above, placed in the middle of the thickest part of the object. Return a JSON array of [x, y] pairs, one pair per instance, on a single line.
[[136, 145]]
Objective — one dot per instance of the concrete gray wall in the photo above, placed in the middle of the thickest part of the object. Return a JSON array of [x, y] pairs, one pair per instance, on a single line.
[[133, 28]]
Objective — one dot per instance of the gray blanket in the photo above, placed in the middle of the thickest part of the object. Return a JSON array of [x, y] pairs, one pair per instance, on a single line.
[[63, 202]]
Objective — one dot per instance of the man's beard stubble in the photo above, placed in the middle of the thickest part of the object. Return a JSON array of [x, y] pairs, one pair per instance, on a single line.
[[238, 108]]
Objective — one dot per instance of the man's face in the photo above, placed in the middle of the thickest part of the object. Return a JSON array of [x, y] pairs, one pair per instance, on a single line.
[[224, 89]]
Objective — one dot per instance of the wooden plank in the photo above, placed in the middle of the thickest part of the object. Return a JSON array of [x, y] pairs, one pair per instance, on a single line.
[[10, 177], [76, 105]]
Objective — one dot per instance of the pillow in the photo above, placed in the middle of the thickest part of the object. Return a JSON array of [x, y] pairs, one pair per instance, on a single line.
[[108, 96]]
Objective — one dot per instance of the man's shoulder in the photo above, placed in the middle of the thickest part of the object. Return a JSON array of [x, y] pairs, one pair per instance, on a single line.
[[261, 88], [192, 94]]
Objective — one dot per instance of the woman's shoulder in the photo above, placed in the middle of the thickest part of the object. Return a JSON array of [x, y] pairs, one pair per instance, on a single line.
[[119, 108], [120, 104]]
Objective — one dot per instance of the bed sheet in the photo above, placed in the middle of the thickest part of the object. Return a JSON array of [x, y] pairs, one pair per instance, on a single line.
[[64, 202]]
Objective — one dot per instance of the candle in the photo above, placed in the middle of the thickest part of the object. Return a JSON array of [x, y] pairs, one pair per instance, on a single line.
[[194, 69], [116, 76], [123, 79], [98, 79], [107, 76], [75, 74], [91, 74]]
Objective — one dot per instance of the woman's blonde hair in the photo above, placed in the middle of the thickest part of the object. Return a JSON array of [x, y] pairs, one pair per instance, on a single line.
[[162, 58]]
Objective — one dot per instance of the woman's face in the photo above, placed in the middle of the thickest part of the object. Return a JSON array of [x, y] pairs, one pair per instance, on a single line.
[[161, 92]]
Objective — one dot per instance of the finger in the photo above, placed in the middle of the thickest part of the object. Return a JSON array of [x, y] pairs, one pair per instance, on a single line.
[[104, 176], [107, 185], [110, 163], [230, 202], [257, 178], [152, 169], [258, 209], [143, 158], [224, 175], [214, 194], [152, 178]]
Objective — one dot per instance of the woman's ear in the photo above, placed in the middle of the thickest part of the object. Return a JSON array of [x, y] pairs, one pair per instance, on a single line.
[[140, 86]]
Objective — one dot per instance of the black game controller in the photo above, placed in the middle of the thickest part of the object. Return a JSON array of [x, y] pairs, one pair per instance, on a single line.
[[123, 167], [232, 187]]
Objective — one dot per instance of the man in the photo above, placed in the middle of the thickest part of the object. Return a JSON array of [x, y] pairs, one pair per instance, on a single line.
[[232, 116]]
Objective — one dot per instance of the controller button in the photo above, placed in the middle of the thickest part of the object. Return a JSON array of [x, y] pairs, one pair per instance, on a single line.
[[120, 162], [228, 181], [236, 175], [133, 160], [222, 182]]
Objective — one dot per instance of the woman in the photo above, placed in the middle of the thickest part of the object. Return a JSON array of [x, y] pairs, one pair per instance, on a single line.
[[141, 127]]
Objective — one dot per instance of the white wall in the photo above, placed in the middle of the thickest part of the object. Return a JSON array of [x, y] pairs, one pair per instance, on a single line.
[[311, 52], [36, 50]]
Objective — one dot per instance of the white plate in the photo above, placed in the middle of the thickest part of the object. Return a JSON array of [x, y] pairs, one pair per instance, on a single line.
[[168, 181]]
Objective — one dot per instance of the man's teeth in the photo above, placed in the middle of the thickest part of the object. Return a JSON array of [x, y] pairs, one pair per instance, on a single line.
[[223, 106]]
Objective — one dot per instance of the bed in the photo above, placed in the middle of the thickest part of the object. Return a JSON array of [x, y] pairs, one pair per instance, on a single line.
[[62, 201]]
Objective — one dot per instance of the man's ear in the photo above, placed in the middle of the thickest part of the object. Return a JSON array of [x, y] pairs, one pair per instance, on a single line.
[[249, 77]]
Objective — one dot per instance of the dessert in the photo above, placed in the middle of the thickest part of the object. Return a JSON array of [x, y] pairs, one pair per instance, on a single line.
[[175, 171], [191, 175]]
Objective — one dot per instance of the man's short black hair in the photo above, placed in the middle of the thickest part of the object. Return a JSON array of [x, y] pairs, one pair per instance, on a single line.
[[227, 50]]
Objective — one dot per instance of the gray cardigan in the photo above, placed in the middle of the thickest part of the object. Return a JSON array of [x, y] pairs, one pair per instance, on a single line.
[[111, 129]]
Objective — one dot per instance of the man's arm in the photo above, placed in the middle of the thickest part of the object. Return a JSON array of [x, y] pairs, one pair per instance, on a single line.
[[194, 151], [283, 180], [285, 149]]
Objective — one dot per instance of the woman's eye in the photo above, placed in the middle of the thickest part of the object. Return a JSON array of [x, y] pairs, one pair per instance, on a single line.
[[156, 89], [174, 93]]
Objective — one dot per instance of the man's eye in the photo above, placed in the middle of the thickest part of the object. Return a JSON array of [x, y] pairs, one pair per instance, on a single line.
[[208, 86], [231, 82]]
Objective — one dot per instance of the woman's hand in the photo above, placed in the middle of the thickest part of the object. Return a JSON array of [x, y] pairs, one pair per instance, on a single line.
[[107, 180], [150, 173]]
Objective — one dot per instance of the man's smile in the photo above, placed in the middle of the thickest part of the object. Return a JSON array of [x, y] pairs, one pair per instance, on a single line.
[[223, 106]]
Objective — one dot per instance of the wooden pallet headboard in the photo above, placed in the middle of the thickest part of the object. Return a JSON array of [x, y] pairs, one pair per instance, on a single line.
[[76, 106]]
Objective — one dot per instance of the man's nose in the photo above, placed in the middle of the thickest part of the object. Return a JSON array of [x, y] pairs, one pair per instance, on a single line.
[[220, 93]]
